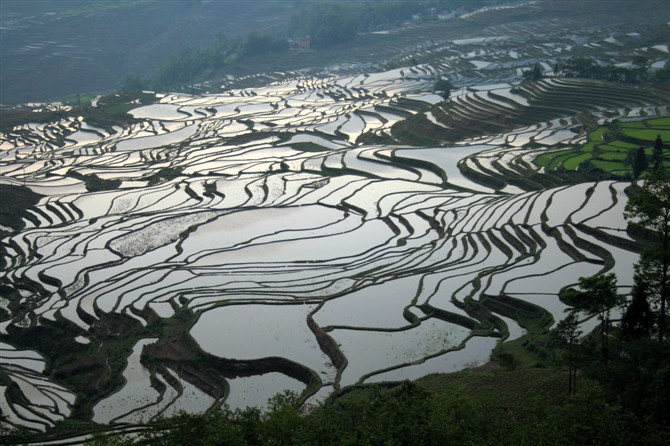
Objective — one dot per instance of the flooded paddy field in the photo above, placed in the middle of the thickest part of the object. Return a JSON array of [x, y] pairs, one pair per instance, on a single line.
[[255, 243]]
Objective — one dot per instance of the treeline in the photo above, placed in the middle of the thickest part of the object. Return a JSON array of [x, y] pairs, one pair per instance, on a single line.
[[189, 64], [327, 23], [330, 23], [588, 68]]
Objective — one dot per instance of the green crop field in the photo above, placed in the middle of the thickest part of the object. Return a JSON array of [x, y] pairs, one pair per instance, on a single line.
[[611, 149]]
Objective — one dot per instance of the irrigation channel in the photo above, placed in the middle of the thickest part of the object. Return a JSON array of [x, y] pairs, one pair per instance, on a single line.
[[300, 259]]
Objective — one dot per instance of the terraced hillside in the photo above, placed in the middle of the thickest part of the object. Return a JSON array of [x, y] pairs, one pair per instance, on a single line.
[[498, 108], [249, 245]]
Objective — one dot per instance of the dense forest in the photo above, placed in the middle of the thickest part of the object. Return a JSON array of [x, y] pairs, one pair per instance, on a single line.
[[584, 67], [326, 23], [331, 24]]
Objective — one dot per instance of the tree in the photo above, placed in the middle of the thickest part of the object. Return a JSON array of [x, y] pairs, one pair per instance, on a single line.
[[579, 67], [568, 332], [662, 75], [638, 319], [640, 162], [132, 83], [649, 209], [257, 44], [534, 74], [598, 295], [658, 153], [443, 87], [641, 68]]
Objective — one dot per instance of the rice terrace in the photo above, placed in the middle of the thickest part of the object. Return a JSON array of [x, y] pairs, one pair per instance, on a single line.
[[320, 229]]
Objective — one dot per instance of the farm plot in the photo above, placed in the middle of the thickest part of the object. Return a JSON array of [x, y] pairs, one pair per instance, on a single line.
[[612, 148]]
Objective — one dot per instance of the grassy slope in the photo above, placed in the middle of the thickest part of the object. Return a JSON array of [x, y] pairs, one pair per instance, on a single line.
[[511, 389]]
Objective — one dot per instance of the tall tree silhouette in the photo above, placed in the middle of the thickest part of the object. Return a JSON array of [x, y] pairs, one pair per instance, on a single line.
[[649, 209]]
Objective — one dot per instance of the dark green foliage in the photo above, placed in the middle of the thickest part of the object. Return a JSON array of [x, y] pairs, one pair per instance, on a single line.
[[132, 83], [415, 130], [567, 332], [15, 201], [638, 319], [658, 153], [328, 24], [409, 415], [587, 419], [257, 44], [585, 67], [662, 75], [219, 427], [14, 435], [196, 65], [443, 87], [13, 118], [648, 208], [309, 147], [534, 74], [189, 64], [163, 174], [640, 163], [334, 23], [94, 183], [598, 295], [638, 379]]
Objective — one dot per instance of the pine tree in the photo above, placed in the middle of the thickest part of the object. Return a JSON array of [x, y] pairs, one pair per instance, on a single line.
[[658, 153], [649, 209], [640, 163], [598, 295], [638, 319], [568, 332]]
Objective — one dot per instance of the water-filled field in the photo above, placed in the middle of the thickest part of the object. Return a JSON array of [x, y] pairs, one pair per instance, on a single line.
[[253, 246]]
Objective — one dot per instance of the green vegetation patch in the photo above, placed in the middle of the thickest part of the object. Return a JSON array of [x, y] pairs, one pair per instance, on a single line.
[[309, 147], [614, 156], [512, 389], [647, 134], [545, 159], [622, 145], [15, 201], [94, 183], [14, 118], [110, 111], [611, 149], [574, 161], [608, 166], [663, 121]]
